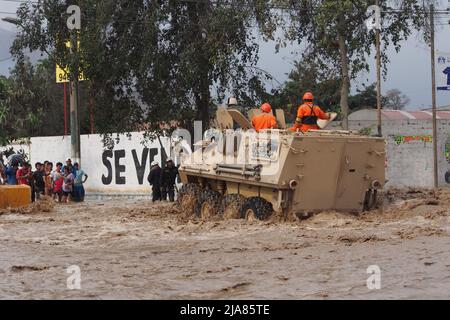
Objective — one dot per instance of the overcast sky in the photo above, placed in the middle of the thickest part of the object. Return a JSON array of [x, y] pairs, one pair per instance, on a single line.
[[409, 70]]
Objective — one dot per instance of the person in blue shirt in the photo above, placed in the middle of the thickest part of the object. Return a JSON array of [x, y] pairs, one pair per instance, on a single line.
[[69, 164], [78, 192], [11, 175]]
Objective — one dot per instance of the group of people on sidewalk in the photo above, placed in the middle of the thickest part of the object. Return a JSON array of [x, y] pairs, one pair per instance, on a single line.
[[64, 182]]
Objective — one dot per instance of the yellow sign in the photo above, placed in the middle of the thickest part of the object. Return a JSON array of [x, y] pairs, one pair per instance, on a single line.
[[62, 75]]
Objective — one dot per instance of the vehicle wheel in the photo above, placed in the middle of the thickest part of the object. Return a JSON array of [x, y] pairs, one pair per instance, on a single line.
[[232, 206], [188, 199], [209, 205], [256, 209], [367, 200], [447, 177], [374, 204], [370, 200]]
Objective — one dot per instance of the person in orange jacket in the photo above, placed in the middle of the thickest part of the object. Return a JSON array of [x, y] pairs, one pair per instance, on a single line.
[[265, 120], [308, 114]]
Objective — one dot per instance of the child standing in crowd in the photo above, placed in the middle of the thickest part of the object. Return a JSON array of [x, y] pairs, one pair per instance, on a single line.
[[23, 175], [48, 179], [57, 177], [69, 165], [67, 186]]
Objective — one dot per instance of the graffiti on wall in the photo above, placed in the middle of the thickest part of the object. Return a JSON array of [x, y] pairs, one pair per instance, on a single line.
[[399, 140], [447, 150], [447, 157], [112, 160]]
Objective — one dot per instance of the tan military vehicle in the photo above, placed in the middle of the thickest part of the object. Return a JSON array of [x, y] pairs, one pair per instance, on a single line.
[[242, 174]]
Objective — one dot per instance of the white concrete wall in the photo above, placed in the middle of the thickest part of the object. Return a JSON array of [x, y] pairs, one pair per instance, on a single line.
[[410, 162], [103, 166], [410, 151]]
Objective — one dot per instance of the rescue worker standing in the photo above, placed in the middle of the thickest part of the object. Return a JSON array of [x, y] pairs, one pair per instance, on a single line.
[[308, 114], [154, 178], [168, 178], [265, 120]]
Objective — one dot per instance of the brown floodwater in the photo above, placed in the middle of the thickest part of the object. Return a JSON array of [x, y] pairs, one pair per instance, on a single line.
[[129, 249]]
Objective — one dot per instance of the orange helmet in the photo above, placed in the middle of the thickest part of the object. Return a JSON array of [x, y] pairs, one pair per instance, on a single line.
[[308, 96], [267, 108]]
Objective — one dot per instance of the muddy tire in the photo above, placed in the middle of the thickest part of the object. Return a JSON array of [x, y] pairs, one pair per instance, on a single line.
[[232, 206], [367, 197], [210, 204], [256, 209], [188, 200], [371, 200]]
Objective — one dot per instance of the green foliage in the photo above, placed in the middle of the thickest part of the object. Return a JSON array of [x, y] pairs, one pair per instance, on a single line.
[[367, 131], [154, 63], [31, 103], [303, 78], [5, 153], [365, 98], [337, 38]]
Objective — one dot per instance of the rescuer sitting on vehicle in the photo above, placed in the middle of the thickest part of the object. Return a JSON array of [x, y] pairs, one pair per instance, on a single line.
[[308, 114], [265, 120]]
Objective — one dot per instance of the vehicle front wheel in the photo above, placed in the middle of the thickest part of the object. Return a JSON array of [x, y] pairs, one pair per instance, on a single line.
[[256, 209], [232, 206], [210, 205], [188, 199]]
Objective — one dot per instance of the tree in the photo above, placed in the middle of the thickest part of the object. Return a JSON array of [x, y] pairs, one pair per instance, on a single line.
[[326, 90], [151, 63], [337, 38], [302, 79], [31, 103], [395, 100], [5, 91], [365, 98]]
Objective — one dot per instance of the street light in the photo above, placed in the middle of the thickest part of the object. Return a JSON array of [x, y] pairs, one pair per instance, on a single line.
[[11, 20]]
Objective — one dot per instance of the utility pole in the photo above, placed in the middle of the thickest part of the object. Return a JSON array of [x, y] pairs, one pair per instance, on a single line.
[[91, 114], [74, 114], [374, 22], [378, 45], [74, 25], [66, 127], [433, 86]]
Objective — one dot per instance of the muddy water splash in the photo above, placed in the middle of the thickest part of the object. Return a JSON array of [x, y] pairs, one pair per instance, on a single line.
[[134, 249]]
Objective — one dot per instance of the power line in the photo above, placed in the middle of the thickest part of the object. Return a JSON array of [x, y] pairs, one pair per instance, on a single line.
[[441, 13], [6, 59], [275, 7], [20, 1]]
